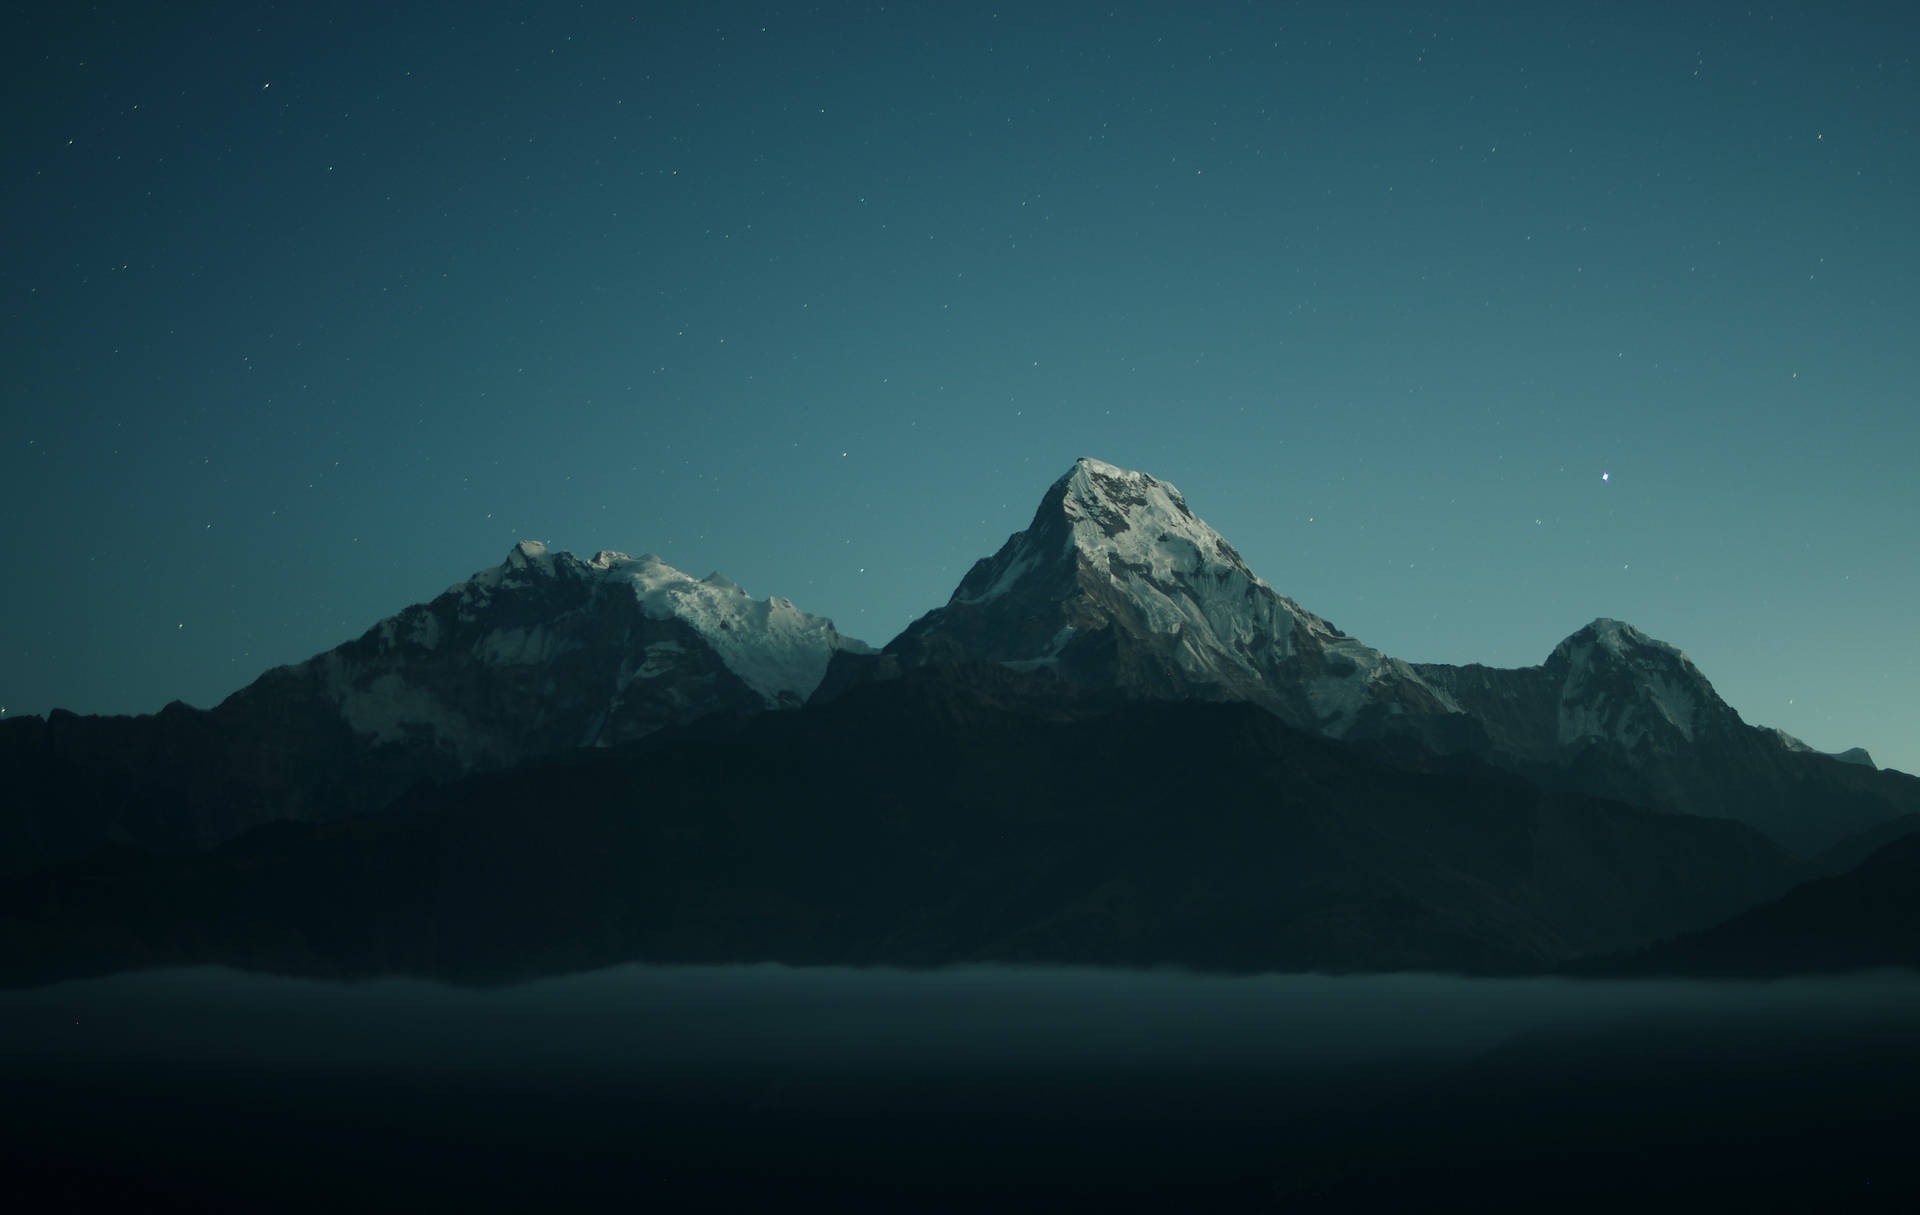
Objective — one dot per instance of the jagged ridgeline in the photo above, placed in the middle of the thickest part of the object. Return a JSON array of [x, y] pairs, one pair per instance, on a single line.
[[1118, 584], [1283, 794], [542, 655]]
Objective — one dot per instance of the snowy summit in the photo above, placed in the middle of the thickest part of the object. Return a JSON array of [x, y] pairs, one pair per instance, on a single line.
[[778, 650], [547, 652], [1117, 582]]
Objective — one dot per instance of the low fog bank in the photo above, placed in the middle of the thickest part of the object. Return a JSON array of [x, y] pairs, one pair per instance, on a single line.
[[222, 1086], [639, 1019]]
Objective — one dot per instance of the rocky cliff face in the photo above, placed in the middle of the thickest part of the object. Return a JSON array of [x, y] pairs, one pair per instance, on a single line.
[[1115, 588]]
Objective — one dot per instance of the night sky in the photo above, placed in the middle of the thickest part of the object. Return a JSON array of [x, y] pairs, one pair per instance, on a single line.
[[1465, 323]]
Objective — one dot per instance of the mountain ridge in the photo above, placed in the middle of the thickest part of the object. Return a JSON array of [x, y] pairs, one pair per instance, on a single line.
[[1115, 743], [955, 814], [1119, 553], [545, 652], [1116, 584]]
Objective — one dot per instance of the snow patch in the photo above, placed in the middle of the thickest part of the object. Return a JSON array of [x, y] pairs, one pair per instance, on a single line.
[[1622, 685], [1144, 522], [1852, 755], [1049, 656], [778, 650], [775, 648], [518, 646], [1183, 579], [1788, 741], [389, 708], [661, 658], [1009, 577]]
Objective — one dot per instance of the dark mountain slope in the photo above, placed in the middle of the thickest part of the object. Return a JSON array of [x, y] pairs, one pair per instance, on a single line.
[[953, 814], [1865, 918]]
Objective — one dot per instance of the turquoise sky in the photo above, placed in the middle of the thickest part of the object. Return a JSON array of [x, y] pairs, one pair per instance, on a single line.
[[1465, 323]]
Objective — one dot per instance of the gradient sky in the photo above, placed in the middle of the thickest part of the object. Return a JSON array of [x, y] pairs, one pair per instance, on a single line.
[[1465, 323]]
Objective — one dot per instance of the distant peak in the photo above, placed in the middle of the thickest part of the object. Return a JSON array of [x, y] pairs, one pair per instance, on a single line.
[[1096, 495], [1097, 478], [1105, 522], [1102, 468], [1613, 632], [1609, 636], [534, 562], [1852, 755], [528, 557]]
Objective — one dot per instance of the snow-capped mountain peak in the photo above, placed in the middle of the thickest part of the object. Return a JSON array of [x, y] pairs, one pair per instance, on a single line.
[[1111, 517], [1142, 521], [1616, 638], [778, 650], [1626, 687], [775, 648], [1117, 582], [546, 651], [526, 560]]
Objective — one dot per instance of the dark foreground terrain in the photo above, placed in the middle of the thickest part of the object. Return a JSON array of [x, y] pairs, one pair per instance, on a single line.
[[755, 1087], [945, 817]]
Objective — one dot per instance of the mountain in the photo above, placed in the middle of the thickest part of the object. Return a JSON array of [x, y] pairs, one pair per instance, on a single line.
[[1117, 584], [548, 652], [1616, 713], [955, 814], [1852, 755], [1865, 918], [1114, 744], [544, 653]]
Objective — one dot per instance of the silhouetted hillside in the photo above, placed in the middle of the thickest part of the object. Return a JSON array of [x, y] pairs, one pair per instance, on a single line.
[[1865, 918], [955, 814]]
